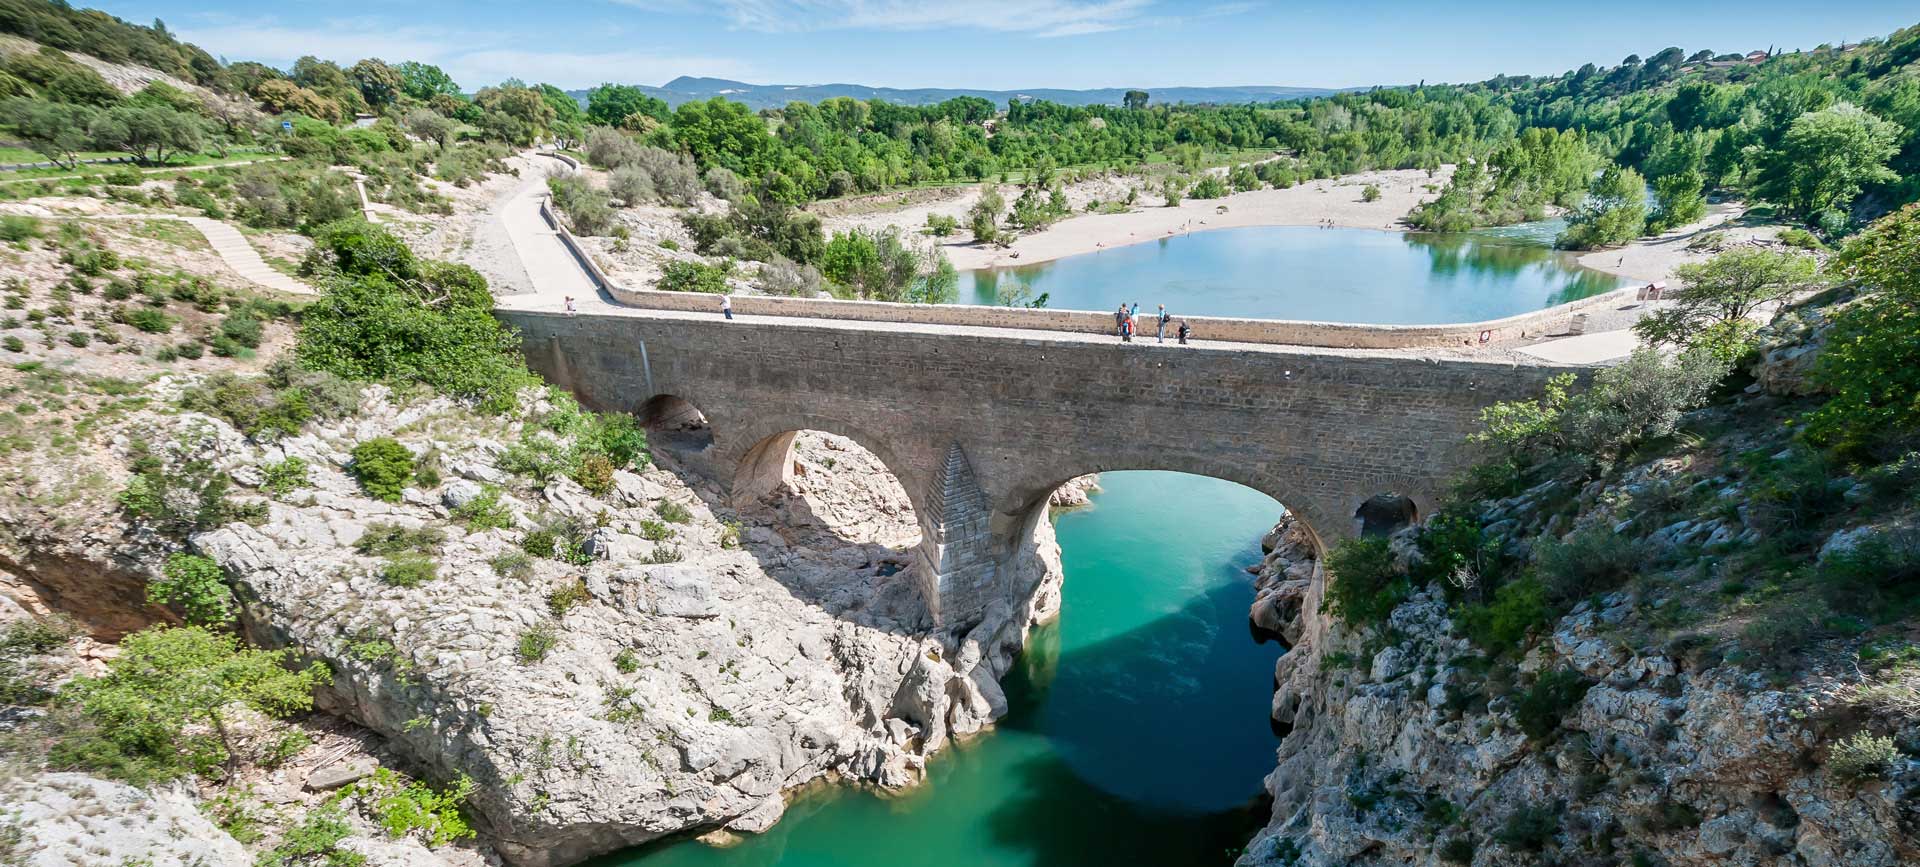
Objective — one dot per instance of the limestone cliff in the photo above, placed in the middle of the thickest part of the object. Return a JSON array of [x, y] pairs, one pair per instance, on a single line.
[[1700, 707]]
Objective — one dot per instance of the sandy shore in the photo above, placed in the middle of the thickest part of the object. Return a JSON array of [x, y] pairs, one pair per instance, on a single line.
[[1654, 259]]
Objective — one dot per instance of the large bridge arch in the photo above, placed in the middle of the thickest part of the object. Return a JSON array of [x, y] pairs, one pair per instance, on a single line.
[[981, 424]]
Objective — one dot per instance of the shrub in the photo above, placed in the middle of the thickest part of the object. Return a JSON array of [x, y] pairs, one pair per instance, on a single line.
[[1364, 585], [513, 564], [180, 501], [285, 476], [588, 210], [1530, 829], [384, 467], [15, 344], [681, 276], [1862, 756], [15, 229], [386, 538], [149, 320], [162, 708], [563, 599], [626, 661], [388, 316], [1540, 708], [21, 681], [403, 807], [315, 840], [783, 276], [79, 339], [1370, 193], [595, 473], [250, 404], [1518, 607], [1880, 574], [409, 570], [1587, 562], [674, 513], [485, 512], [197, 586], [1457, 850], [537, 642]]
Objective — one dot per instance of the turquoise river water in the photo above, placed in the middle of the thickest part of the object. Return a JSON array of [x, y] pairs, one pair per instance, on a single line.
[[1137, 732]]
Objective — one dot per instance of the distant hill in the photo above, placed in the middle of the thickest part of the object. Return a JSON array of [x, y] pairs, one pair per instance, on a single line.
[[758, 96]]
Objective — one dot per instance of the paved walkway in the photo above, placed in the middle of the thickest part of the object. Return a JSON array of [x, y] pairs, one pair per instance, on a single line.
[[227, 242], [551, 271]]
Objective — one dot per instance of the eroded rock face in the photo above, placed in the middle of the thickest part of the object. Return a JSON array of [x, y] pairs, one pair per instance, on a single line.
[[691, 682], [66, 819], [1693, 766]]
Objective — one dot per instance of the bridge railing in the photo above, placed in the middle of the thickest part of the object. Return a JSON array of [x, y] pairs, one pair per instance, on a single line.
[[1333, 335]]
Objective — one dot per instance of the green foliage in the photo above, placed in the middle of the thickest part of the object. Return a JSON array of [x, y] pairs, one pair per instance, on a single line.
[[1588, 562], [382, 538], [1679, 199], [537, 642], [1457, 553], [1639, 399], [1863, 756], [1615, 212], [1871, 363], [1826, 158], [162, 708], [150, 320], [17, 229], [22, 680], [180, 500], [564, 598], [589, 210], [383, 467], [409, 570], [1518, 608], [688, 276], [253, 406], [515, 565], [485, 511], [315, 840], [673, 512], [595, 473], [388, 316], [1539, 709], [1370, 193], [284, 476], [1530, 829], [882, 266], [1714, 307], [197, 586], [626, 661], [1363, 584], [1878, 576], [403, 807]]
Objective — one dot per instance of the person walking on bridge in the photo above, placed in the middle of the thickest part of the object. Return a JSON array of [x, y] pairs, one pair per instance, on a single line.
[[1120, 321], [1184, 332], [726, 306], [1160, 333], [1126, 328]]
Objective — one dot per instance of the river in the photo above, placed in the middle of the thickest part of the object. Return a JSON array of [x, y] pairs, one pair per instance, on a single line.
[[1137, 730]]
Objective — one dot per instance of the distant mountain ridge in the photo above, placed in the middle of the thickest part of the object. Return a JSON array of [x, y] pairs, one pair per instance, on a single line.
[[689, 88]]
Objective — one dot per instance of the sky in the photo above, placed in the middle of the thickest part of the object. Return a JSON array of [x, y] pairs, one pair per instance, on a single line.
[[1004, 44]]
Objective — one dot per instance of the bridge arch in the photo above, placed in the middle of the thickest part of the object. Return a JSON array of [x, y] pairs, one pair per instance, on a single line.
[[675, 422]]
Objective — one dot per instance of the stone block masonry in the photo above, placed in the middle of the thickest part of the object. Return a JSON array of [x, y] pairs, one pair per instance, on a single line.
[[981, 424]]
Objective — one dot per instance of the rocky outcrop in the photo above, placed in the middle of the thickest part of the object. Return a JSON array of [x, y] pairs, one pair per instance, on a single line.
[[1077, 492], [680, 677], [62, 819], [1405, 746]]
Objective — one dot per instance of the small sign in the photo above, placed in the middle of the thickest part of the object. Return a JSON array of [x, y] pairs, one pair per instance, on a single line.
[[1485, 337], [286, 124]]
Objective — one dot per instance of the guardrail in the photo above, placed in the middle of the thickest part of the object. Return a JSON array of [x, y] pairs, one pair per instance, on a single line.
[[1559, 319]]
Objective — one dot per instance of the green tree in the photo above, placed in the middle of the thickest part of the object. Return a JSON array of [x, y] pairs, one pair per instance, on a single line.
[[197, 586], [57, 131], [424, 81], [384, 468], [1715, 304], [1615, 211], [1135, 99], [984, 217], [1678, 200], [1871, 363], [378, 83], [151, 133], [164, 705], [1826, 158], [611, 104]]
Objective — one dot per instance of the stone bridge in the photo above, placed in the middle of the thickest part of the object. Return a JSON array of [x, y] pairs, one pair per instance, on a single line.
[[980, 424]]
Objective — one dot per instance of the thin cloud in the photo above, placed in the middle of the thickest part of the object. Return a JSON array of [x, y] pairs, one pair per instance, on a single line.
[[473, 59]]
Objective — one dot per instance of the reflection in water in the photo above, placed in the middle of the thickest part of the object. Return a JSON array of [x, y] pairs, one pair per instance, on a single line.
[[1339, 275], [1137, 727]]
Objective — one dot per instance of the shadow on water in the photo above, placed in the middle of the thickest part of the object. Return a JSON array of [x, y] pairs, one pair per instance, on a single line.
[[1086, 768]]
